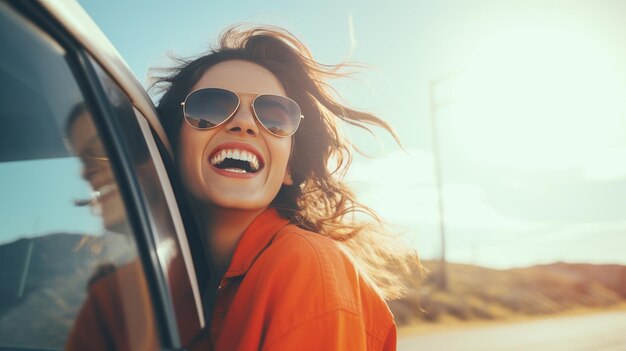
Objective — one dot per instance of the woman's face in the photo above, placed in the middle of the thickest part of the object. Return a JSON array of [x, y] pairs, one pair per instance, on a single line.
[[201, 152], [97, 171]]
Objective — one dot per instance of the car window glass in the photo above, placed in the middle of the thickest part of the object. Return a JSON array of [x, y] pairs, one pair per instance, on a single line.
[[168, 234], [65, 240]]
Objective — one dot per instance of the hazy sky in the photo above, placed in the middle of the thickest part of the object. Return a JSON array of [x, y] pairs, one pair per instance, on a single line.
[[528, 98]]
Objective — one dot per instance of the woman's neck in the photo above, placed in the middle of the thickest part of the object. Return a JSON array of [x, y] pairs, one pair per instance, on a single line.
[[223, 231]]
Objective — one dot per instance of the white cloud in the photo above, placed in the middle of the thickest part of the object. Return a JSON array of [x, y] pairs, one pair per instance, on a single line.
[[398, 167], [606, 164], [465, 207], [401, 188], [599, 242]]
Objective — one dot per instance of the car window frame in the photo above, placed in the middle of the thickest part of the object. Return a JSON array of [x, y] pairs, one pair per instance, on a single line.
[[137, 209], [138, 214], [194, 259]]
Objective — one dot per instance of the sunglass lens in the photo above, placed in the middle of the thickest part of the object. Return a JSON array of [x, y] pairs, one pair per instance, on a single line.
[[281, 116], [206, 108]]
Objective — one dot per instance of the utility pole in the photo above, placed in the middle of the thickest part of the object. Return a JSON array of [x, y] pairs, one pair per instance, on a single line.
[[441, 276]]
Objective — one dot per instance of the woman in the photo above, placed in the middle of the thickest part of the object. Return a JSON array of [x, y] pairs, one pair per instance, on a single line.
[[255, 128]]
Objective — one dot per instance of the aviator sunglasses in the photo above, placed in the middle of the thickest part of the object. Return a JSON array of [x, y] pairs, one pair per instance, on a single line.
[[211, 107]]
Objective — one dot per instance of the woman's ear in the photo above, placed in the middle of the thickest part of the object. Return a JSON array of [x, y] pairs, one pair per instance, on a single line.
[[287, 180]]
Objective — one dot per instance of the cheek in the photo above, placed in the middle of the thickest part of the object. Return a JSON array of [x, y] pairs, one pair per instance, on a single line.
[[281, 156], [189, 157], [281, 149]]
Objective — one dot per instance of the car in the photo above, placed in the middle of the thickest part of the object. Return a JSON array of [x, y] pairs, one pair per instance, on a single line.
[[89, 192]]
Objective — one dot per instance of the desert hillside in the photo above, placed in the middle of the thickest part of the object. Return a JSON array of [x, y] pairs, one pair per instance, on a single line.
[[479, 293]]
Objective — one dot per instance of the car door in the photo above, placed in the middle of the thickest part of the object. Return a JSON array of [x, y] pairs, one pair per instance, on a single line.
[[92, 245]]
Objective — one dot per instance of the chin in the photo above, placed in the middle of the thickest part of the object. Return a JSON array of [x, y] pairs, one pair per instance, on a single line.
[[240, 204]]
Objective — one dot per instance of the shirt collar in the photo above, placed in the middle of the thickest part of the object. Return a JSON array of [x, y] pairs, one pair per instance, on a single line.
[[254, 240]]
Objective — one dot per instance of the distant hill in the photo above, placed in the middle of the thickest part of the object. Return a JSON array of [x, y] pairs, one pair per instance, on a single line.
[[44, 283], [481, 293], [612, 276]]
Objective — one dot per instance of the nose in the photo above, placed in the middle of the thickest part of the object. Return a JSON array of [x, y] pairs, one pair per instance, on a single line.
[[243, 122]]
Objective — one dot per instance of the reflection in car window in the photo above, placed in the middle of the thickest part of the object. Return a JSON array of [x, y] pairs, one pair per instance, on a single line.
[[167, 231], [64, 226]]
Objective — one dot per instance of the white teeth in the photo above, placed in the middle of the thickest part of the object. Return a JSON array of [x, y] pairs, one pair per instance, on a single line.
[[236, 170], [107, 189], [236, 154]]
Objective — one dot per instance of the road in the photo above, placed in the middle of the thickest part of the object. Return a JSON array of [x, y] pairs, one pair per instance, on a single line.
[[604, 331]]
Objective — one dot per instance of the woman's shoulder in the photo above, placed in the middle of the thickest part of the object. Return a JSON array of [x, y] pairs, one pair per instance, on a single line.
[[311, 251], [306, 242], [306, 276], [302, 261]]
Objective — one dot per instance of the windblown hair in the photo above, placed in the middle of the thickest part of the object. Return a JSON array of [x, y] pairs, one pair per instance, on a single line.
[[318, 200]]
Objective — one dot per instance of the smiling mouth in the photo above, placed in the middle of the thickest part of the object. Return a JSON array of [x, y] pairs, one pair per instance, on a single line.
[[235, 160], [96, 196]]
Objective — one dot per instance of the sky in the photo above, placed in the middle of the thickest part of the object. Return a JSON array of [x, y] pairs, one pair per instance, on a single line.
[[527, 99]]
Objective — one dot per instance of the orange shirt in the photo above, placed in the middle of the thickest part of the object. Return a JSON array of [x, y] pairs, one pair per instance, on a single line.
[[117, 314], [290, 289]]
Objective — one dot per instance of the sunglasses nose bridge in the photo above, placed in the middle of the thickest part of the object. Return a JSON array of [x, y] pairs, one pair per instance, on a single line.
[[243, 119]]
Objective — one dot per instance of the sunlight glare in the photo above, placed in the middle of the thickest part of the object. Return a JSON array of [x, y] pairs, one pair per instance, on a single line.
[[539, 98]]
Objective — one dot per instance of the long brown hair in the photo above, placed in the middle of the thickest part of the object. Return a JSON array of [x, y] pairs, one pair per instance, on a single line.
[[318, 200]]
